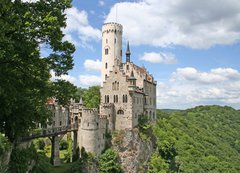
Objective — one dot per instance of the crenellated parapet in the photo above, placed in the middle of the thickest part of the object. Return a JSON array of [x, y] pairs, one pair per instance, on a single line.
[[112, 27]]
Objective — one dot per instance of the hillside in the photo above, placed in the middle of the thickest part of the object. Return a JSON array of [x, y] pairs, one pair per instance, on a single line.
[[202, 139]]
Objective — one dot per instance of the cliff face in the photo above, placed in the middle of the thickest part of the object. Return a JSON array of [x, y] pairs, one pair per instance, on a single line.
[[134, 152]]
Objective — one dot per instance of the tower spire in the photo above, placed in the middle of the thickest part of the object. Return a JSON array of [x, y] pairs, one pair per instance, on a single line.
[[128, 53]]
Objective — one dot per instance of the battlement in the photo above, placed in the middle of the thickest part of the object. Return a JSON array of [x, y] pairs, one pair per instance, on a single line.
[[112, 27]]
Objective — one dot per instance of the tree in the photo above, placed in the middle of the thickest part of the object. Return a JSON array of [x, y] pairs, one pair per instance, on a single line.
[[91, 97], [108, 162], [25, 86]]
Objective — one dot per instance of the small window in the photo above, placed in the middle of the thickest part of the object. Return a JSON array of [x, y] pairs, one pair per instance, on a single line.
[[105, 76], [127, 67], [60, 123], [106, 51], [115, 40], [106, 65], [106, 40], [121, 52]]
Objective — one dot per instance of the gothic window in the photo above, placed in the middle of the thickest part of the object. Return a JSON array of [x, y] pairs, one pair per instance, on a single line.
[[124, 98], [106, 51], [120, 111], [106, 65]]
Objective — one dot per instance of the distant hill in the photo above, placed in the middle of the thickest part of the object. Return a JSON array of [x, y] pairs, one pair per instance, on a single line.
[[169, 110], [201, 139]]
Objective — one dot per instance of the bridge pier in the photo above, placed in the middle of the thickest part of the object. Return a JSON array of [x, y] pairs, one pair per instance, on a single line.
[[55, 160], [75, 134]]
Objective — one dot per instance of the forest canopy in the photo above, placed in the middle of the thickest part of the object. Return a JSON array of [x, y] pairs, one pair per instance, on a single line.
[[202, 139]]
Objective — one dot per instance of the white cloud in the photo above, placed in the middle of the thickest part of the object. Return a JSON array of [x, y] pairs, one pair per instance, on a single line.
[[163, 58], [78, 29], [195, 24], [90, 64], [101, 3], [29, 0], [89, 80], [188, 87], [63, 77], [214, 76]]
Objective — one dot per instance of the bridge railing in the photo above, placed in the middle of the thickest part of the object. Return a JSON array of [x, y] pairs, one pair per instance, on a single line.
[[52, 131]]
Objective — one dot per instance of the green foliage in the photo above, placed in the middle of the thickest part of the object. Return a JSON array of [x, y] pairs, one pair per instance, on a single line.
[[79, 94], [80, 164], [108, 162], [158, 164], [68, 155], [21, 159], [42, 164], [26, 29], [39, 143], [4, 145], [202, 139], [63, 145], [90, 96], [144, 127], [4, 149]]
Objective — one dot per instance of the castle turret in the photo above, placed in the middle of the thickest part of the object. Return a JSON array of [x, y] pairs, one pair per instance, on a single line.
[[111, 48], [128, 53]]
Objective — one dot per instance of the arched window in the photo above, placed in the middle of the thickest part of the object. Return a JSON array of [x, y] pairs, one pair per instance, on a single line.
[[106, 65], [113, 86], [120, 112], [105, 76], [126, 98], [107, 98], [106, 51]]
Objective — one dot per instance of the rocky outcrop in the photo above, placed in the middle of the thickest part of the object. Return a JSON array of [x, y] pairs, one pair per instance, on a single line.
[[134, 152]]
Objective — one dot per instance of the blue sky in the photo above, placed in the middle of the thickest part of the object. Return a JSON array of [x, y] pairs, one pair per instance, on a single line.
[[192, 48]]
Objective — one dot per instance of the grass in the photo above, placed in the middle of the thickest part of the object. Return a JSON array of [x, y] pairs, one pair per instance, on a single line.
[[62, 168]]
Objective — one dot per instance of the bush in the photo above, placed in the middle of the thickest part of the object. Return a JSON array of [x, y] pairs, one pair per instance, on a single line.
[[39, 144], [108, 162], [63, 145]]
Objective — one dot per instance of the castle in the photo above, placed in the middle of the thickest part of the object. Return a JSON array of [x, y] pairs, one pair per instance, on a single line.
[[127, 92]]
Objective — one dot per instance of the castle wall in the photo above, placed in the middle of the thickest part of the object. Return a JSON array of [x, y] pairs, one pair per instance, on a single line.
[[116, 86]]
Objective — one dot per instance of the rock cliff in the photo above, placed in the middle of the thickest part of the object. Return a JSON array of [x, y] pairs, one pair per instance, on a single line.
[[134, 152]]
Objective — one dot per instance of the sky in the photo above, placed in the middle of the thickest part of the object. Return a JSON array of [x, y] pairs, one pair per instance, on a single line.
[[192, 48]]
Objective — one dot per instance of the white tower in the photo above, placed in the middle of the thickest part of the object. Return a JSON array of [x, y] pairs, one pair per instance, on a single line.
[[111, 48]]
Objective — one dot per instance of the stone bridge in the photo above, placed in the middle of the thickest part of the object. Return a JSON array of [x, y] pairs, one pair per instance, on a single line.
[[55, 134]]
